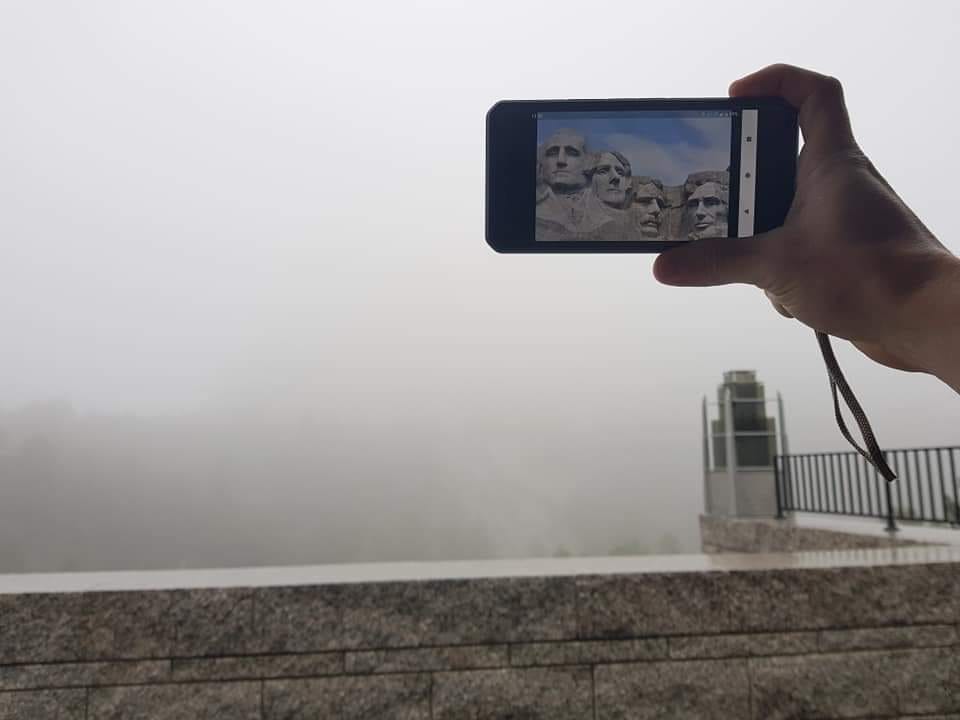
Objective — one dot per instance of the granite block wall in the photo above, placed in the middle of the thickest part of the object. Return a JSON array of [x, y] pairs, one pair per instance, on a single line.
[[781, 642]]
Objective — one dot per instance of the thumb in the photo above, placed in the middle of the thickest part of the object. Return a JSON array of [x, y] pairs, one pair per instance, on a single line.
[[718, 261]]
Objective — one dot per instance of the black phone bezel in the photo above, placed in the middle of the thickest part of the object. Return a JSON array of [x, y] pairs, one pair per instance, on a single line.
[[511, 143]]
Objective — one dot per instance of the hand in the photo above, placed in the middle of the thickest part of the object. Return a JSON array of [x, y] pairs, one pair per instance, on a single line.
[[851, 259]]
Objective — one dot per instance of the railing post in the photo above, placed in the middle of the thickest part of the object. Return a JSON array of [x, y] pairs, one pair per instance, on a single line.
[[956, 495], [776, 484], [731, 451], [891, 520], [784, 447], [786, 470], [707, 506]]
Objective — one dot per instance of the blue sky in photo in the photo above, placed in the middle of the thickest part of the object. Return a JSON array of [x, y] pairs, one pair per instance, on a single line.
[[662, 130], [666, 147]]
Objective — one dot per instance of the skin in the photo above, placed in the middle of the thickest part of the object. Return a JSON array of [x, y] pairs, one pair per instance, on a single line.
[[649, 211], [564, 161], [851, 259], [611, 180]]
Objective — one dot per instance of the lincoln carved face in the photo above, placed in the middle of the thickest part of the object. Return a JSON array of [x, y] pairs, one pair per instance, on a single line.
[[706, 212], [564, 161], [611, 179], [648, 206]]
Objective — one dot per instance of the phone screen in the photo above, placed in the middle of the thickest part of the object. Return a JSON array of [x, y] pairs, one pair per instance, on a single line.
[[647, 175]]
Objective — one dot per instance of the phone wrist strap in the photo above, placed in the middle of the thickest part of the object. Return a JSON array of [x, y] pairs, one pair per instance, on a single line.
[[873, 453]]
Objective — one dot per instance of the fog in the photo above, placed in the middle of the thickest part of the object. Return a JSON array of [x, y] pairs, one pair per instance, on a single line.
[[248, 316]]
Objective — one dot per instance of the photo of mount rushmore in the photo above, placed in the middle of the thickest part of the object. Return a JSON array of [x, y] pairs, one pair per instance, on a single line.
[[653, 179]]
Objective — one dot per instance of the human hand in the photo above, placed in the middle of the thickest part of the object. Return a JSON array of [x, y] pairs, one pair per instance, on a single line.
[[851, 259]]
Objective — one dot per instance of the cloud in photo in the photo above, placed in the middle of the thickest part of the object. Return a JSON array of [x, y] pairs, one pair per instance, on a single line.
[[712, 132], [670, 163]]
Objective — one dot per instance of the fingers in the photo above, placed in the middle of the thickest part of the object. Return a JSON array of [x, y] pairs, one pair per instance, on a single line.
[[818, 98], [719, 261]]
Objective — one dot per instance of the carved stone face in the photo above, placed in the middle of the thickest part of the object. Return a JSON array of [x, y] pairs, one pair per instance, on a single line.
[[611, 180], [647, 205], [706, 213], [564, 161]]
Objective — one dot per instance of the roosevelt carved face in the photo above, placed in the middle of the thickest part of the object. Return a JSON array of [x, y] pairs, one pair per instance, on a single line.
[[564, 161], [611, 180], [706, 212], [647, 202]]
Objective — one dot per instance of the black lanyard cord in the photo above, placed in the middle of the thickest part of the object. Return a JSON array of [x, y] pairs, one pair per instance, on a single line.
[[873, 453]]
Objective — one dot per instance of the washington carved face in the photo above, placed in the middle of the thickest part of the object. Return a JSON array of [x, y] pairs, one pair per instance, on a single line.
[[647, 204], [611, 179], [564, 161], [707, 212]]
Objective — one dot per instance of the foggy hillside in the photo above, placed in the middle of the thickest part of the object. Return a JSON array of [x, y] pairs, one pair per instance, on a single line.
[[93, 493]]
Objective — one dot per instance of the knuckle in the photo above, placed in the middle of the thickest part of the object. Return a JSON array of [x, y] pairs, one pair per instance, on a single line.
[[713, 261], [832, 87]]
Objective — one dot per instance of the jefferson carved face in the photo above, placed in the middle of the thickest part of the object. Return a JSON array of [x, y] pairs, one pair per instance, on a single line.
[[707, 212], [647, 202], [611, 179], [564, 161]]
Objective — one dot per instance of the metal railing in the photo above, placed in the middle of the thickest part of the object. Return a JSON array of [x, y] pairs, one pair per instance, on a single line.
[[844, 483]]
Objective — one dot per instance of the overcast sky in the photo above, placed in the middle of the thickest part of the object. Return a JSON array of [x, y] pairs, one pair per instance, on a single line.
[[274, 210]]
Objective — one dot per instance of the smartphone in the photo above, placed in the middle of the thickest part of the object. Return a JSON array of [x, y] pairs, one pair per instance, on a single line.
[[636, 175]]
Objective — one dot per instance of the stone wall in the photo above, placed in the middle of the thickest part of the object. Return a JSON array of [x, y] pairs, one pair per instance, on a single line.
[[738, 535], [874, 636]]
